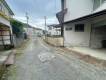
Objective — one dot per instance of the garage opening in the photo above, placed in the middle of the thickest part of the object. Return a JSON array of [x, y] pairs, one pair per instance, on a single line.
[[104, 43], [98, 37]]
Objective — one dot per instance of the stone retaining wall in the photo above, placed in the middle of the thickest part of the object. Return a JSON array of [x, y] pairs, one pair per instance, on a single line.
[[55, 41]]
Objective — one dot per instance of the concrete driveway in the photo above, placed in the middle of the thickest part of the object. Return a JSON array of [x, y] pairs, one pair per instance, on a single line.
[[40, 62]]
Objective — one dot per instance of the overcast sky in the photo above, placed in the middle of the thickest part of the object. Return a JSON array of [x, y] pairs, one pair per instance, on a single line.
[[36, 9]]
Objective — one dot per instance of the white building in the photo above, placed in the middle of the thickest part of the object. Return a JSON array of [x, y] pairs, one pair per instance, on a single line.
[[38, 32], [54, 30], [32, 31], [84, 23], [5, 27], [29, 30]]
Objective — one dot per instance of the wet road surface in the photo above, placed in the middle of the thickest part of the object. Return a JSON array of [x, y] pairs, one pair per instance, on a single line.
[[40, 62]]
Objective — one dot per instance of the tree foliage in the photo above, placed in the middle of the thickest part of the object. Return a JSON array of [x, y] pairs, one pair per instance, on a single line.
[[17, 27]]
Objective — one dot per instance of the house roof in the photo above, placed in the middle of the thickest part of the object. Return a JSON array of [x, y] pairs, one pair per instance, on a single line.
[[30, 26], [7, 6], [55, 25], [93, 15], [37, 28], [27, 25]]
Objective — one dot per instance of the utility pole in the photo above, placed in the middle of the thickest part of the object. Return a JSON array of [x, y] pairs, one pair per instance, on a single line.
[[45, 18], [27, 18], [45, 22]]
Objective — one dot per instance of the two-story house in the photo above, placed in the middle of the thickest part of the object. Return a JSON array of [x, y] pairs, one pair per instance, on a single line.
[[84, 23], [5, 27]]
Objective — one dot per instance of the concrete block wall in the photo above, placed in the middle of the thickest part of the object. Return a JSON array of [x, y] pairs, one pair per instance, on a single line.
[[18, 40]]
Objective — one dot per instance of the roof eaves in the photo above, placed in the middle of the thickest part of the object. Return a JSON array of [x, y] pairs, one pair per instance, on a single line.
[[7, 6], [87, 16]]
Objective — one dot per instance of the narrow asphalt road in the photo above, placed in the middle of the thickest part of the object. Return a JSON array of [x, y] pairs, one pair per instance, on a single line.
[[40, 62]]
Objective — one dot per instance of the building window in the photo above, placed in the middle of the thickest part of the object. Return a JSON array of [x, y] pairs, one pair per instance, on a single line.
[[79, 28], [68, 28]]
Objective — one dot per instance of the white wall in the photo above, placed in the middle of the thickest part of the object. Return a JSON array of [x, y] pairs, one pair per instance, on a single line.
[[72, 38], [54, 31], [29, 31], [77, 8], [38, 32]]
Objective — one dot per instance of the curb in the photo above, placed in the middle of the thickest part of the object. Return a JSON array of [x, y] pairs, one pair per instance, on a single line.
[[5, 64], [10, 59], [88, 58]]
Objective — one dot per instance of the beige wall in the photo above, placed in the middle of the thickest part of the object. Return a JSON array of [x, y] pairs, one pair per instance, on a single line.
[[55, 41]]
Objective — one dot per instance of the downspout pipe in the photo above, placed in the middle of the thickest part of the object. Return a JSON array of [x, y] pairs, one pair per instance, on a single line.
[[62, 24]]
